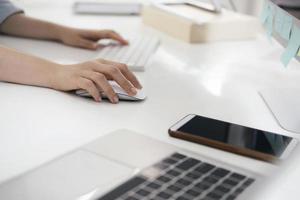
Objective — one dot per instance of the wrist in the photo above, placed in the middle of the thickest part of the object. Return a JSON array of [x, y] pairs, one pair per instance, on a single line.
[[59, 32], [55, 76]]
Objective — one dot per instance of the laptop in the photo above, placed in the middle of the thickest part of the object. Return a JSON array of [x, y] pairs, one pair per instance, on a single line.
[[128, 165]]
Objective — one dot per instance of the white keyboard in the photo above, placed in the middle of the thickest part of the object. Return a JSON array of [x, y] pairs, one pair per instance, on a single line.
[[135, 55]]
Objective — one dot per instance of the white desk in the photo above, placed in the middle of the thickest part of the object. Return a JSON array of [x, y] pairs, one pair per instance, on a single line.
[[218, 80]]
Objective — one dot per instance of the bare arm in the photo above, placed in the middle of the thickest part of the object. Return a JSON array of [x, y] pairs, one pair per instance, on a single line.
[[24, 26], [24, 69]]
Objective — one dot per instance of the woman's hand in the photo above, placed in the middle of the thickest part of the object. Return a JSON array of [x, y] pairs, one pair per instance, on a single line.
[[93, 76], [22, 25], [87, 39]]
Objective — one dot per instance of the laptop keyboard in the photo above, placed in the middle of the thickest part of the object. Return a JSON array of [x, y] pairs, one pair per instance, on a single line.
[[135, 55], [179, 177]]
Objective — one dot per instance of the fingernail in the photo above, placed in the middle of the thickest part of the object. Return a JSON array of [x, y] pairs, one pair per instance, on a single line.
[[115, 100], [133, 90]]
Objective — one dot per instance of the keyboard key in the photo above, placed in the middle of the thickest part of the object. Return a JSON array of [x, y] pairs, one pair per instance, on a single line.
[[122, 189], [178, 156], [182, 198], [193, 193], [209, 184], [193, 176], [230, 182], [199, 189], [239, 190], [131, 198], [163, 179], [222, 189], [210, 179], [153, 186], [227, 186], [218, 192], [173, 188], [238, 176], [231, 197], [142, 192], [183, 182], [220, 172], [172, 173], [248, 182], [214, 196], [187, 164], [202, 186], [204, 168], [164, 195]]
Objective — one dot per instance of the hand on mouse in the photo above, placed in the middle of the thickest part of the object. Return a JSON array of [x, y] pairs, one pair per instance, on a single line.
[[87, 39], [93, 76]]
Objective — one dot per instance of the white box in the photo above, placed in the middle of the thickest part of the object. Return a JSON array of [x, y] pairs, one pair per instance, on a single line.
[[192, 24]]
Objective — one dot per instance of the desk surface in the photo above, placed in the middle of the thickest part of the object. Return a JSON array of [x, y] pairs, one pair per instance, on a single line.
[[218, 80]]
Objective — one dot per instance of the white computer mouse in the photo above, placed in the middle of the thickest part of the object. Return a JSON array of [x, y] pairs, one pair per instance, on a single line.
[[141, 95]]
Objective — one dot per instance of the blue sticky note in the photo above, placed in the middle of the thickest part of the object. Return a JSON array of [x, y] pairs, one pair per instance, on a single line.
[[293, 46], [279, 20], [283, 23], [286, 26], [265, 12], [267, 17]]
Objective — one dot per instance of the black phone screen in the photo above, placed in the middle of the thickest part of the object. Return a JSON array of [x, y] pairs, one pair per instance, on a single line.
[[237, 135]]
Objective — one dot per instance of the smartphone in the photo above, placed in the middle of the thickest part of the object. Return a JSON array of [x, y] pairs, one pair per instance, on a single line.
[[234, 138]]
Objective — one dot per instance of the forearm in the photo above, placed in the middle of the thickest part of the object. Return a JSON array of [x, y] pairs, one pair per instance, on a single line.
[[20, 68], [24, 26]]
